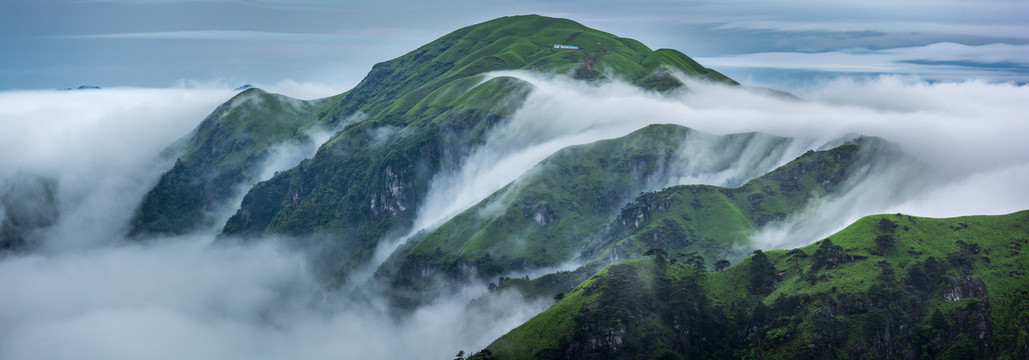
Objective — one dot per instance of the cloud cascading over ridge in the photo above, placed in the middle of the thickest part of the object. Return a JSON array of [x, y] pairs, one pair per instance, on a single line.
[[93, 295]]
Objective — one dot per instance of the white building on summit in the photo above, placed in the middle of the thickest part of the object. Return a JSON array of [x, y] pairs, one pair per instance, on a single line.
[[569, 47]]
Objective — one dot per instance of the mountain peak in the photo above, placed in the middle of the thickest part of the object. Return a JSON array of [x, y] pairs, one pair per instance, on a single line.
[[525, 42]]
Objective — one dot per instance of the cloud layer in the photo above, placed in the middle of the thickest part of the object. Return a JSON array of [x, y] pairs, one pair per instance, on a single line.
[[92, 295]]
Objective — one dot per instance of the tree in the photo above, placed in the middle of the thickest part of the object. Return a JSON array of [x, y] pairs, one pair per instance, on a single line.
[[885, 242], [694, 260], [659, 254], [460, 355], [762, 274], [827, 255], [722, 265], [887, 225]]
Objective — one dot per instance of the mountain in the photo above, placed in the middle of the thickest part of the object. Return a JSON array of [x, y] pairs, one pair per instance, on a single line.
[[372, 158], [419, 116], [222, 157], [717, 222], [556, 213], [887, 286]]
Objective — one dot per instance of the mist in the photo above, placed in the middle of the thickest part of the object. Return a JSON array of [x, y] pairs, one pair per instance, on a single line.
[[968, 154], [89, 293], [84, 291]]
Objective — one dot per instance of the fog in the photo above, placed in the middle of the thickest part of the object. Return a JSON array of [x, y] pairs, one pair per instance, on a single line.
[[88, 293], [965, 138]]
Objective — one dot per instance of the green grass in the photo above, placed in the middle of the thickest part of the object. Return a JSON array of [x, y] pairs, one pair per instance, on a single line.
[[849, 309], [224, 152], [415, 114], [716, 221], [580, 191]]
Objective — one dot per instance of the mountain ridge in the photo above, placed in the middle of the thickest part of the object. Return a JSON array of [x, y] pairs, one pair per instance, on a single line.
[[850, 289]]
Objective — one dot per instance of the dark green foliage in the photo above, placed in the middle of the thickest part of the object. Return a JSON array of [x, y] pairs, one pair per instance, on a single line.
[[887, 225], [226, 151], [420, 114], [712, 220], [174, 204], [695, 260], [722, 265], [964, 256], [657, 253], [762, 274], [828, 255], [882, 306], [885, 242]]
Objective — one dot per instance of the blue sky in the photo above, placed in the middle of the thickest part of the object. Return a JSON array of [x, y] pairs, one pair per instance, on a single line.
[[160, 43]]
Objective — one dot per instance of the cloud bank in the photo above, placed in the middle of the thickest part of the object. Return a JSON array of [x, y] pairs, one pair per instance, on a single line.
[[90, 294], [966, 134]]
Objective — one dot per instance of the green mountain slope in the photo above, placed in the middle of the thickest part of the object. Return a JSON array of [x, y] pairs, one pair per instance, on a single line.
[[557, 212], [421, 114], [888, 286], [717, 222], [222, 154], [543, 218], [418, 82]]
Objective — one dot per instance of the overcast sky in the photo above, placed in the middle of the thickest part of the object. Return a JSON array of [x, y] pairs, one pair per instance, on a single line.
[[160, 43]]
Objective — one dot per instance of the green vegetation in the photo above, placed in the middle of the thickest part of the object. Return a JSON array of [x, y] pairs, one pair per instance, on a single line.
[[947, 288], [425, 111], [222, 154], [557, 211], [717, 222]]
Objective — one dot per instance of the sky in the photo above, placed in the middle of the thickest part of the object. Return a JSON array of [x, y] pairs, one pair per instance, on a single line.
[[332, 44]]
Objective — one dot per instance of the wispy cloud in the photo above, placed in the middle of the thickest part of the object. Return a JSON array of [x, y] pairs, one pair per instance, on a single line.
[[229, 35], [995, 61], [104, 298], [994, 30]]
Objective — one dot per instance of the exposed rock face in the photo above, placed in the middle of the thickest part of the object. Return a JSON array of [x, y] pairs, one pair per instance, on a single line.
[[390, 199], [965, 287], [541, 215]]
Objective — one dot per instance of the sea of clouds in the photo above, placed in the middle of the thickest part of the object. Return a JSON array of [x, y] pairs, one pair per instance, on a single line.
[[86, 292]]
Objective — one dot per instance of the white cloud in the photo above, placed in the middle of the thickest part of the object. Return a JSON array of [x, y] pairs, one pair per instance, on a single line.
[[182, 298], [100, 146], [934, 60], [232, 35]]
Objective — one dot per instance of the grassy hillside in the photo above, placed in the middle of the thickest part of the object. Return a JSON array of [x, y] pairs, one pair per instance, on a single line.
[[421, 114], [716, 222], [559, 210], [544, 218], [888, 286], [222, 154]]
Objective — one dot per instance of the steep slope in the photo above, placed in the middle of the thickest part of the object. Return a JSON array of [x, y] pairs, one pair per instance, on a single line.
[[224, 153], [888, 286], [544, 218], [421, 114], [558, 212], [716, 222]]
